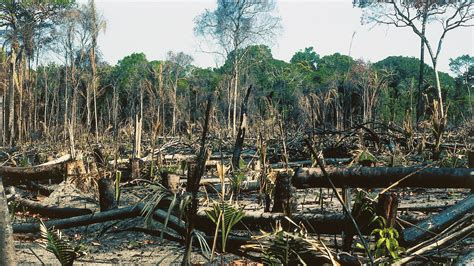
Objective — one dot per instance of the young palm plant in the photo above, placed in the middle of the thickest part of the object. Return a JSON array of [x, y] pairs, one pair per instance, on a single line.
[[56, 244], [224, 216], [282, 247]]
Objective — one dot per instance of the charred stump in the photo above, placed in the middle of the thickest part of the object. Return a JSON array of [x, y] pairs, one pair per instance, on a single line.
[[107, 194], [283, 195]]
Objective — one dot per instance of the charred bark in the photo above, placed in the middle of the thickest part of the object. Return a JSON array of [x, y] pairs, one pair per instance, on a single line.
[[373, 177], [436, 223], [48, 210]]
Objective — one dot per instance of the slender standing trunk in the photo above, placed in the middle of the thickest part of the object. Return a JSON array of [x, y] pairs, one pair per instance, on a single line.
[[175, 92], [7, 246], [438, 88], [11, 99], [94, 91], [236, 84], [419, 107]]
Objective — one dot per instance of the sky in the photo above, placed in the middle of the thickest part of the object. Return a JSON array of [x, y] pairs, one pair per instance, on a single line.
[[155, 27]]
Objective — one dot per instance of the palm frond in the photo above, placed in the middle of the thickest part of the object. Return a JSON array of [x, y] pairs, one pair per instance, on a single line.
[[54, 243]]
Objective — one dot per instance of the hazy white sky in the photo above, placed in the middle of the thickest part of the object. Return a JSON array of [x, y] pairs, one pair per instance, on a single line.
[[155, 27]]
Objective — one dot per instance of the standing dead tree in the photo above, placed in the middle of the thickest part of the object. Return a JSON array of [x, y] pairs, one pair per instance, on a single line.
[[234, 25], [194, 178]]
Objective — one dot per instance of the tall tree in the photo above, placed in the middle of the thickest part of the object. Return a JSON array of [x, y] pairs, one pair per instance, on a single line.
[[234, 25], [401, 13], [463, 67], [21, 22], [178, 63]]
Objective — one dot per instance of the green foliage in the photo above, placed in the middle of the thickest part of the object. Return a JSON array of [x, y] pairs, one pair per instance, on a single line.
[[178, 200], [387, 243], [236, 181], [365, 157], [225, 215], [56, 244], [306, 59], [282, 247]]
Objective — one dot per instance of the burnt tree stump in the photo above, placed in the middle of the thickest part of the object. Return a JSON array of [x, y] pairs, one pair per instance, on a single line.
[[283, 195], [107, 194]]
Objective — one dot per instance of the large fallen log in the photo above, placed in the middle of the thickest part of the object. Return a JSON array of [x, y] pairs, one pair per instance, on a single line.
[[373, 177], [15, 175], [116, 214], [50, 211], [438, 222]]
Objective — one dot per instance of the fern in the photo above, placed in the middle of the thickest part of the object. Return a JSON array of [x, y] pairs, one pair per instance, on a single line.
[[54, 243]]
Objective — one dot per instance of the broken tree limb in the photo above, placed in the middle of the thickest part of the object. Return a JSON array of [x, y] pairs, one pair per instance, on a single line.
[[438, 222], [50, 211], [374, 177]]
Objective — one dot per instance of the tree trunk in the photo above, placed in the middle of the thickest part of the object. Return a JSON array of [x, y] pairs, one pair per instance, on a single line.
[[236, 85], [438, 90], [419, 107], [283, 197], [107, 194], [438, 222], [375, 177], [239, 141], [7, 245], [50, 211], [15, 175]]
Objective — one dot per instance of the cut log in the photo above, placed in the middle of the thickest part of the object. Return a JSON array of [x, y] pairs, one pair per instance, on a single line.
[[438, 222], [15, 175], [50, 211], [374, 177], [7, 247]]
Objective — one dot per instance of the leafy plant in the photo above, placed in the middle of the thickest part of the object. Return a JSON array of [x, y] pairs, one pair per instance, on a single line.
[[56, 244], [387, 243], [281, 247], [178, 199], [225, 216], [236, 182]]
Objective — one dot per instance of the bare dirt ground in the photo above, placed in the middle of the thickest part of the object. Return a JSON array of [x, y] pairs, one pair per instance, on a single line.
[[106, 244]]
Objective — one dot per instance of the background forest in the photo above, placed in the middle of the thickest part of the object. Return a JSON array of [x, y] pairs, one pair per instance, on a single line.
[[334, 91]]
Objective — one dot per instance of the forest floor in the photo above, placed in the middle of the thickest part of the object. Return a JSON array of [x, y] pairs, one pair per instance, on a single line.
[[107, 245]]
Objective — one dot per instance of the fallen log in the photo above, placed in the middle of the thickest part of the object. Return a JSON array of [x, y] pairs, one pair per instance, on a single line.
[[437, 244], [116, 214], [50, 211], [438, 222], [15, 175], [373, 177], [42, 189]]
